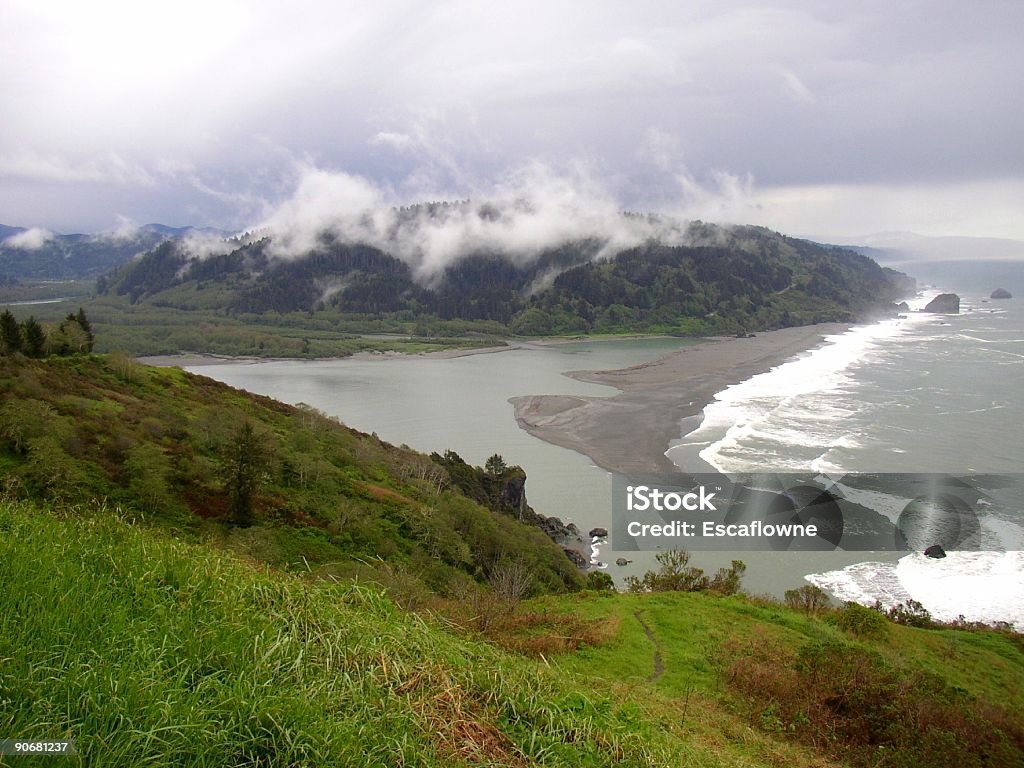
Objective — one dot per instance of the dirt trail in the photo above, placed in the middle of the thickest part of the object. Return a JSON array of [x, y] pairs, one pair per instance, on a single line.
[[659, 666]]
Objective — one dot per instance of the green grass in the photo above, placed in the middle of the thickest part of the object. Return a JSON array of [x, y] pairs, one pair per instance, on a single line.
[[149, 651], [920, 693]]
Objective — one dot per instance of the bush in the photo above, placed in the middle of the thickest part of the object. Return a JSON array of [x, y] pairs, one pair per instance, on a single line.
[[911, 614], [808, 599], [861, 621], [600, 582], [677, 575]]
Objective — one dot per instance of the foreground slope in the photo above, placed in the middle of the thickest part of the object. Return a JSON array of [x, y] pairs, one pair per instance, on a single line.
[[148, 650]]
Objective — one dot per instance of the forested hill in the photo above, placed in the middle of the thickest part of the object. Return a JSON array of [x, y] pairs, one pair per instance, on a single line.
[[724, 279]]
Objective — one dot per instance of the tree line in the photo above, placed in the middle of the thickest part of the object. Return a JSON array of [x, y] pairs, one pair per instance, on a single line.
[[72, 336]]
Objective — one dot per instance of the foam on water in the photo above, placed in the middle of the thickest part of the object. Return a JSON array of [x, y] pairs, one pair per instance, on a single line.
[[980, 586], [808, 402]]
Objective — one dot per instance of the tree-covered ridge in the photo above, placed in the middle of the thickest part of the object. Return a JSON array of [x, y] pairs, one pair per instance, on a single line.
[[285, 485], [724, 279]]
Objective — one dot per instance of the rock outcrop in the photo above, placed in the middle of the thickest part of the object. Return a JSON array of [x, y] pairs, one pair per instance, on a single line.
[[576, 556], [1001, 293], [944, 304]]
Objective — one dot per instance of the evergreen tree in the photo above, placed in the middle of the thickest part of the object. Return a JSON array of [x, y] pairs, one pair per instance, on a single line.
[[33, 338], [244, 471], [495, 465], [86, 326], [10, 333]]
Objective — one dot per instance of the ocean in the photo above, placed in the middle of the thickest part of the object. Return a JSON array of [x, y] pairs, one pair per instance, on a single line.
[[922, 393]]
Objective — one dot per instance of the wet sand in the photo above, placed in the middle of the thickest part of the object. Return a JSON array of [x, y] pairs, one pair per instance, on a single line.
[[629, 433]]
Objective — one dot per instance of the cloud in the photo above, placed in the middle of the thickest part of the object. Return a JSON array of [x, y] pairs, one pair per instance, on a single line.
[[111, 168], [29, 240], [531, 210], [431, 99], [394, 139], [795, 88]]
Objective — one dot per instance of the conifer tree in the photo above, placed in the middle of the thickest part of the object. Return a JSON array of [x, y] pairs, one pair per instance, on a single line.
[[86, 326], [33, 338], [10, 333], [244, 468]]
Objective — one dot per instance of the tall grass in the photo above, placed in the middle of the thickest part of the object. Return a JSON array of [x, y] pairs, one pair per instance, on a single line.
[[148, 651]]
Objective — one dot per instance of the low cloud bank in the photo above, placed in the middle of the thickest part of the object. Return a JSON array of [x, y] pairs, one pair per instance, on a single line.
[[533, 210], [29, 240]]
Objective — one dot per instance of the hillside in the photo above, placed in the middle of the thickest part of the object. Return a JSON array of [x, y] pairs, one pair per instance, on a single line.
[[704, 279], [145, 650], [286, 486]]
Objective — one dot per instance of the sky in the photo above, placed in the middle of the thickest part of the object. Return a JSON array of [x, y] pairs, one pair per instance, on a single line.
[[821, 119]]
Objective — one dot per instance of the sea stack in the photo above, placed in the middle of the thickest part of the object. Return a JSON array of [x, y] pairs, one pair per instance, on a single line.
[[944, 304], [1001, 293]]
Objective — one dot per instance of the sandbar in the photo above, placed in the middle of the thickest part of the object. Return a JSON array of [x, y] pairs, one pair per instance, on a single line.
[[629, 433]]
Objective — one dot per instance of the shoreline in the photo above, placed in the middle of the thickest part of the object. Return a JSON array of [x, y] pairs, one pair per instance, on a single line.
[[199, 359], [628, 433]]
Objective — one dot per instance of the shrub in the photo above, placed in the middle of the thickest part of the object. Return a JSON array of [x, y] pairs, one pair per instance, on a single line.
[[910, 613], [862, 621], [600, 581], [851, 702], [808, 599], [677, 575]]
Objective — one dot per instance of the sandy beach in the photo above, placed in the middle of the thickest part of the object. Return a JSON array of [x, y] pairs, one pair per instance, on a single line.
[[630, 432]]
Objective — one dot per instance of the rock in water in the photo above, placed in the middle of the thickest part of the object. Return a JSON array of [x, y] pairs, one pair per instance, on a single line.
[[598, 533], [935, 551], [623, 561], [1001, 293], [944, 304]]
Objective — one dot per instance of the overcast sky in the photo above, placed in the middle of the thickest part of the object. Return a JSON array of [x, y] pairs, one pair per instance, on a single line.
[[814, 118]]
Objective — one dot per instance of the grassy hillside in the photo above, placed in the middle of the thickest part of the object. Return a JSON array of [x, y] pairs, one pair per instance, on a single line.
[[148, 650], [879, 696], [286, 486]]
